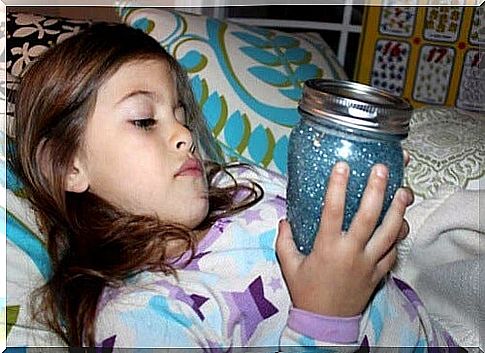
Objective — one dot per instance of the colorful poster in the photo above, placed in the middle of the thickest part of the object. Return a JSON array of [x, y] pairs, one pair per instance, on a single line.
[[477, 33], [472, 84], [443, 23], [433, 75], [435, 58], [398, 21], [389, 68]]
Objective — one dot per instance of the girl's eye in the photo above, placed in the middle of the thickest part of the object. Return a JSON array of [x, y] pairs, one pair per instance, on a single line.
[[145, 124]]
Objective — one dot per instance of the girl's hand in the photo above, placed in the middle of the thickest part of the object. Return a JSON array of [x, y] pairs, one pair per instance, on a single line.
[[340, 274]]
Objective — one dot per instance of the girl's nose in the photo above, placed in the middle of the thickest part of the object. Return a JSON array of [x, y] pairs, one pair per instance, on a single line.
[[183, 138]]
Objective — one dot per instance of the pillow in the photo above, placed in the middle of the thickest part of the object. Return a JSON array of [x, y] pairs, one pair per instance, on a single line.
[[28, 264], [28, 36], [447, 151], [247, 80]]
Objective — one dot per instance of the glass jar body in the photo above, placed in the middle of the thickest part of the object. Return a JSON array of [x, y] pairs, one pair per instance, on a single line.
[[314, 148]]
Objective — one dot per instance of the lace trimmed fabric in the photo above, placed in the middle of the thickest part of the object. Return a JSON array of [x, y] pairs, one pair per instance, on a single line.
[[447, 152]]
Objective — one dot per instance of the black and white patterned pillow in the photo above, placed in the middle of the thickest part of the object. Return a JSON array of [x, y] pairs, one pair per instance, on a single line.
[[28, 36]]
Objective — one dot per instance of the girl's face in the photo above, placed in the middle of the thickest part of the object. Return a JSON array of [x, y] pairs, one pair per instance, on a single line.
[[137, 153]]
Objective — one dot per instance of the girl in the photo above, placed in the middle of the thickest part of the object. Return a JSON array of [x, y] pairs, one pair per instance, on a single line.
[[152, 247]]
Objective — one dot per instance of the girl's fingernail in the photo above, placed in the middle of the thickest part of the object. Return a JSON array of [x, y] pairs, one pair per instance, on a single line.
[[380, 171], [341, 168], [403, 195]]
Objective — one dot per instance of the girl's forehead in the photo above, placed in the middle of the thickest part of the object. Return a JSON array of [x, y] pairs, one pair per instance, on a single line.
[[150, 75]]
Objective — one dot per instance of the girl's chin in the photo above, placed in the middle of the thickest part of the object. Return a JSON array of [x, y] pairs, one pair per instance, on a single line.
[[197, 216]]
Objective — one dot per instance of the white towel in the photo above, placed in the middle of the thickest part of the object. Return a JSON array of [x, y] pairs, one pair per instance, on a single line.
[[440, 258]]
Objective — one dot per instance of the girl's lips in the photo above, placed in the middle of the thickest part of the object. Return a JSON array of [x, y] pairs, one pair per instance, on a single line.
[[191, 167]]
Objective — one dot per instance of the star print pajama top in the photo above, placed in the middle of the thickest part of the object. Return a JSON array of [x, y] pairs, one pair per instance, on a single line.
[[233, 295]]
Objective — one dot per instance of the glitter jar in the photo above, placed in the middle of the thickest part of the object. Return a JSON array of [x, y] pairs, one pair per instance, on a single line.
[[341, 121]]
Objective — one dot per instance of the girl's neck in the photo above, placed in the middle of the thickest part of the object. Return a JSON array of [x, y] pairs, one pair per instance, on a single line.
[[178, 247]]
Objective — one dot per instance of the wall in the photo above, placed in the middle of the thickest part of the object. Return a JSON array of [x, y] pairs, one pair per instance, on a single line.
[[98, 13]]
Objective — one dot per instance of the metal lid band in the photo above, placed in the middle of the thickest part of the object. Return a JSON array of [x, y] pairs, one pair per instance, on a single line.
[[356, 105]]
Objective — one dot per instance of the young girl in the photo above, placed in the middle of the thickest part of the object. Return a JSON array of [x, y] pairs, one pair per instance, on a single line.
[[153, 247]]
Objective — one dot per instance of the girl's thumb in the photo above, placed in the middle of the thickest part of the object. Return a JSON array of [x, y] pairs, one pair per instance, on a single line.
[[288, 255]]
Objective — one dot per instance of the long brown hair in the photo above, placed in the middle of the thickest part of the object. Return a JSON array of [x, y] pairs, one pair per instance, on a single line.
[[91, 243]]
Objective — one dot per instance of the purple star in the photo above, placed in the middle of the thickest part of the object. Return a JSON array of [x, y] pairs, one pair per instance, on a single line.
[[408, 292], [252, 216], [266, 309], [195, 301], [364, 346], [413, 301], [275, 284], [107, 345], [204, 244], [181, 262], [194, 264], [249, 308]]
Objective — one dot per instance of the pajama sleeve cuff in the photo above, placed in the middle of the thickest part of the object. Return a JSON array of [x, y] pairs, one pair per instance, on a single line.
[[324, 328]]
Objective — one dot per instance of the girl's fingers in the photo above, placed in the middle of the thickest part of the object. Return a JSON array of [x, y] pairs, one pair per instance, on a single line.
[[385, 265], [334, 204], [406, 157], [365, 220], [288, 255], [404, 231], [386, 234], [410, 194]]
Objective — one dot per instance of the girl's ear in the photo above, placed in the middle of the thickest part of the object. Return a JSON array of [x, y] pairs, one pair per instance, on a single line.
[[76, 178]]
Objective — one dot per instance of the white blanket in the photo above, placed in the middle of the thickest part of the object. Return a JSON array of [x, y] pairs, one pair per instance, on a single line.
[[440, 258]]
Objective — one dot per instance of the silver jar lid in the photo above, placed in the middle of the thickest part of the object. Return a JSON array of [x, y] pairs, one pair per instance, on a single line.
[[356, 106]]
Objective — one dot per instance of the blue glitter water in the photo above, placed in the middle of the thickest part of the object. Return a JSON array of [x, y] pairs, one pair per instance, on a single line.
[[313, 150]]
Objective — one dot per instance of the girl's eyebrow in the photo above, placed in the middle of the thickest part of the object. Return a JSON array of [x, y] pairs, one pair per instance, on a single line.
[[149, 94]]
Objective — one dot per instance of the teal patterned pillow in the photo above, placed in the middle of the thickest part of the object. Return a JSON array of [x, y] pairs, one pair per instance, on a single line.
[[247, 80]]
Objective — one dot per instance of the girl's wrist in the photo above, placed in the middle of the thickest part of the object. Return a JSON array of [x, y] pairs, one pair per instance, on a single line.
[[324, 328]]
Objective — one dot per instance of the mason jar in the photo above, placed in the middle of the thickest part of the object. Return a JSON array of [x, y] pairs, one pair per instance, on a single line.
[[341, 121]]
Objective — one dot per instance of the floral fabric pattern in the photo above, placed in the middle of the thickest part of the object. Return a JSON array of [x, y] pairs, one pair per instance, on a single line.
[[28, 36]]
